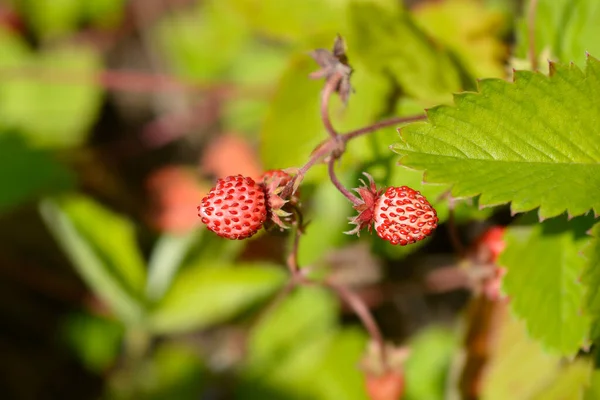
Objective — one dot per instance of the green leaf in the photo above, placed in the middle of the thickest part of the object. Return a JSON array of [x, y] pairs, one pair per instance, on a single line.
[[293, 378], [202, 43], [52, 97], [337, 376], [104, 13], [166, 258], [328, 220], [518, 367], [471, 30], [51, 18], [55, 19], [591, 279], [28, 173], [544, 266], [517, 142], [101, 245], [174, 372], [205, 295], [292, 126], [289, 326], [565, 28], [258, 65], [569, 383], [593, 391], [95, 340], [428, 364], [291, 21], [374, 36], [303, 354]]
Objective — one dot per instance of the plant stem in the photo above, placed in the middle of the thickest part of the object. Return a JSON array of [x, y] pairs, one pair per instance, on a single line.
[[531, 14], [381, 124], [292, 260], [363, 313], [330, 86], [331, 168]]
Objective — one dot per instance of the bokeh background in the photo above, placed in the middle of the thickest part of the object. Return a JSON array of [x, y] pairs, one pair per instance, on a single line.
[[116, 117]]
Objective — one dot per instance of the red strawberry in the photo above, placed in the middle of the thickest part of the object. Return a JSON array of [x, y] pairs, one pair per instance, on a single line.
[[235, 208], [404, 216], [401, 215], [491, 243], [484, 254], [389, 386], [384, 380]]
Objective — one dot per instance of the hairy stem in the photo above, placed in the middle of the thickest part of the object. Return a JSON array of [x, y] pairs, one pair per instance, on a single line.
[[330, 86], [292, 259], [331, 168], [363, 313], [381, 124], [531, 14]]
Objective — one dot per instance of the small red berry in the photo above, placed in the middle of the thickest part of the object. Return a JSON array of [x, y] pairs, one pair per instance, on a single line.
[[403, 216], [235, 208], [389, 386], [492, 243]]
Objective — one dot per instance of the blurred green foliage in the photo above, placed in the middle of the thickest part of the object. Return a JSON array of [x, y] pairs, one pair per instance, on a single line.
[[180, 316]]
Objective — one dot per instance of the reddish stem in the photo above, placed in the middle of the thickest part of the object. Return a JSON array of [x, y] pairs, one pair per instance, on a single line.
[[364, 314], [330, 86], [381, 124], [122, 80], [331, 168]]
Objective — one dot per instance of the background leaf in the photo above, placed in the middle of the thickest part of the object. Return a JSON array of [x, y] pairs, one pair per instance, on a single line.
[[544, 266], [430, 76], [518, 366], [289, 326], [30, 84], [28, 173], [471, 29], [570, 383], [567, 29], [109, 263], [201, 43], [304, 354], [516, 142], [166, 258], [206, 295], [95, 340], [591, 279], [428, 364]]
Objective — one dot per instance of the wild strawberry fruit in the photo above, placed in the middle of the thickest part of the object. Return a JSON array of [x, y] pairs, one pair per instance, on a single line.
[[384, 379], [389, 386], [484, 255], [491, 243], [235, 208], [401, 215]]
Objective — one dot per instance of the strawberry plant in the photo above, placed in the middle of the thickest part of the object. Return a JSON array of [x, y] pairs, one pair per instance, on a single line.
[[202, 200]]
